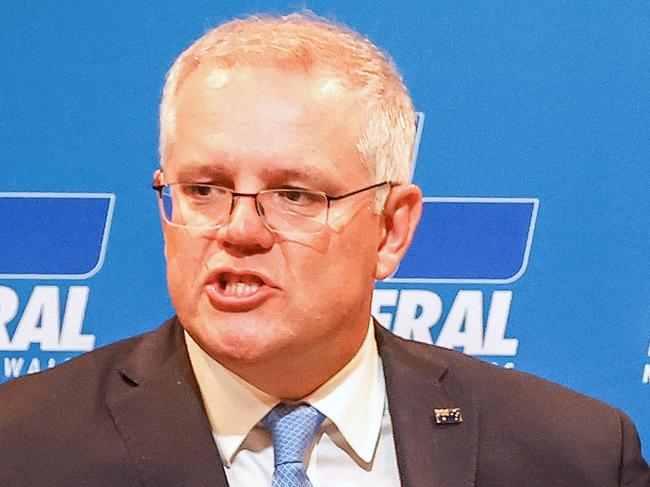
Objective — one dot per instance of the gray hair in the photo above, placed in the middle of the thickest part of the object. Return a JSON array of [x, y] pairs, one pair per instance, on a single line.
[[305, 42]]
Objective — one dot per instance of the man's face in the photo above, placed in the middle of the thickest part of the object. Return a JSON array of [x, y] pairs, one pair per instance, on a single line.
[[244, 293]]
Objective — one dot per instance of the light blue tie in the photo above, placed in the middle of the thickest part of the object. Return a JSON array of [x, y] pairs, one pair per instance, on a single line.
[[292, 428]]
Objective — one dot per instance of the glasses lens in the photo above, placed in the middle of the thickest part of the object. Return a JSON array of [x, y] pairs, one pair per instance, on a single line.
[[195, 205], [293, 210], [166, 204]]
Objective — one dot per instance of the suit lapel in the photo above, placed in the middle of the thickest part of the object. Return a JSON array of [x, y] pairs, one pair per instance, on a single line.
[[429, 454], [156, 407], [155, 404]]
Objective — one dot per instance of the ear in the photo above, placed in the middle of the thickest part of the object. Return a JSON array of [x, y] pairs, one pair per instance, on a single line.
[[399, 221], [159, 178]]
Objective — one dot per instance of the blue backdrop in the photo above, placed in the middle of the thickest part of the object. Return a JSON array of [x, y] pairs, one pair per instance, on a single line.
[[533, 157]]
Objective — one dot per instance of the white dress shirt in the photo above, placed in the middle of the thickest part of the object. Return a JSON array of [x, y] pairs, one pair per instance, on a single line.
[[354, 446]]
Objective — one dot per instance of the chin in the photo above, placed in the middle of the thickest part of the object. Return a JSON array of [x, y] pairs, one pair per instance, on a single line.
[[234, 341], [237, 349]]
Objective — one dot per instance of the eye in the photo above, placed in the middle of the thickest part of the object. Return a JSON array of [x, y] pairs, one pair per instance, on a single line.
[[298, 197], [293, 196], [200, 190]]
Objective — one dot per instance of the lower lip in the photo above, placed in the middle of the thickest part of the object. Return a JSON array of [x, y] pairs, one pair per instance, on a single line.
[[233, 303]]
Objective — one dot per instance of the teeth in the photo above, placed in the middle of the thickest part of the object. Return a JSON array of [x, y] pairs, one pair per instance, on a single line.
[[237, 288], [240, 285]]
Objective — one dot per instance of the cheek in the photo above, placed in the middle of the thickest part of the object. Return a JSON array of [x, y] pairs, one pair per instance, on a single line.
[[185, 257], [346, 264], [359, 243]]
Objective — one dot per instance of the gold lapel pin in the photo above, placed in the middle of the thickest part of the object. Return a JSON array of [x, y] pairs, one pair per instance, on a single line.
[[448, 415]]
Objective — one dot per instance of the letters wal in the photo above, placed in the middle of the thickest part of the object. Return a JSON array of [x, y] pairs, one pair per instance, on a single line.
[[461, 240], [60, 236]]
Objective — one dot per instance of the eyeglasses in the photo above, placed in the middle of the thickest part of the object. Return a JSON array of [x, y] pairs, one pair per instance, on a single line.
[[207, 206]]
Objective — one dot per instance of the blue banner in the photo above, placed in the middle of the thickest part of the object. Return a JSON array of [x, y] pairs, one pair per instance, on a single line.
[[470, 240], [53, 235]]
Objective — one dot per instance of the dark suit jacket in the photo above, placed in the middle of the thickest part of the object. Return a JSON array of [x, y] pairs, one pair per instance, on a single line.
[[131, 414]]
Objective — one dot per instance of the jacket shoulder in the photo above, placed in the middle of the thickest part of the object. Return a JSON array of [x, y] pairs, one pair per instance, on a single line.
[[491, 383], [83, 373], [531, 421], [61, 402], [55, 425]]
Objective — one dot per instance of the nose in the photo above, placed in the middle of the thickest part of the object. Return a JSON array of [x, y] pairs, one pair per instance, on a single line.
[[245, 232]]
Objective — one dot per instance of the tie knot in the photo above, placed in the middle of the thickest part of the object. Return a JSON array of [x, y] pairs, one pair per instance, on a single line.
[[292, 428]]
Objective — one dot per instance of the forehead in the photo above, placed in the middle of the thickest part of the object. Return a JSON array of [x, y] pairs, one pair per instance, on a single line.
[[288, 119]]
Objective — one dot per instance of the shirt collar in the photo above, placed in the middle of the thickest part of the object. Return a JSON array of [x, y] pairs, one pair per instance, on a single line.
[[352, 399]]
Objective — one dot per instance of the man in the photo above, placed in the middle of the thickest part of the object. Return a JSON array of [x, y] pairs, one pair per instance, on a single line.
[[284, 195]]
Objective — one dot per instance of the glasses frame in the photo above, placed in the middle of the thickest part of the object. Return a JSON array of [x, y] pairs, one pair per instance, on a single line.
[[236, 194]]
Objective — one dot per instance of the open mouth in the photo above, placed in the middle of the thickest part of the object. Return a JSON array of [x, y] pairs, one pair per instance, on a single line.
[[233, 291], [239, 285]]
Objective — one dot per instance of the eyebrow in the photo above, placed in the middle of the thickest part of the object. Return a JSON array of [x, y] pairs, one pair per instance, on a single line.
[[218, 172], [307, 175], [196, 171]]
